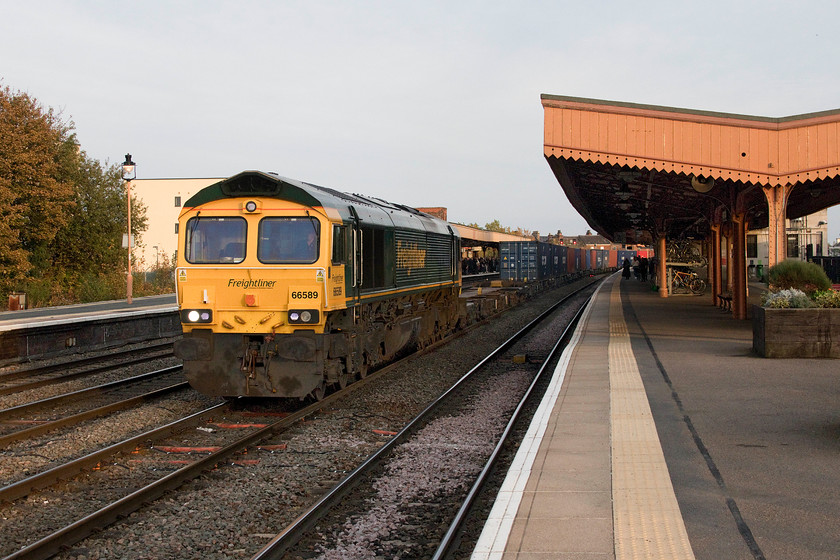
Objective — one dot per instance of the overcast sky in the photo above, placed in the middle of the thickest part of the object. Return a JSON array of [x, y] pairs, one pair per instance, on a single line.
[[425, 103]]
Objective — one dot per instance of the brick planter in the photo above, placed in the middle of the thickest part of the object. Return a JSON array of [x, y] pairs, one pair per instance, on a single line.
[[796, 333]]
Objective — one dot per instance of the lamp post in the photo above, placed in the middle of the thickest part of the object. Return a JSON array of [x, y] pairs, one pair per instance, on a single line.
[[129, 173]]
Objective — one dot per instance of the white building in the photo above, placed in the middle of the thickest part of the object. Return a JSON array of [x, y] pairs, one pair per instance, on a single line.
[[163, 199]]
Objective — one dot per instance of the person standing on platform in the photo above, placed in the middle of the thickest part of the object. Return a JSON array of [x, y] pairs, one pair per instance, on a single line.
[[626, 269]]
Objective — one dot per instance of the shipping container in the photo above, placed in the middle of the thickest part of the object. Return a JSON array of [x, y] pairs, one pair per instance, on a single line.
[[560, 260], [598, 261], [519, 260], [546, 259], [612, 259]]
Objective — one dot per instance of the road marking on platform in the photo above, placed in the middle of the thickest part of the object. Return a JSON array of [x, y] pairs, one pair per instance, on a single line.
[[646, 516]]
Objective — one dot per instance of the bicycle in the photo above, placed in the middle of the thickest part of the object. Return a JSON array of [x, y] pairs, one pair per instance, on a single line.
[[688, 281], [685, 251]]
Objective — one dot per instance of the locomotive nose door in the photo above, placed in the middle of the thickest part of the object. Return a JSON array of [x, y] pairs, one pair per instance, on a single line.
[[356, 260]]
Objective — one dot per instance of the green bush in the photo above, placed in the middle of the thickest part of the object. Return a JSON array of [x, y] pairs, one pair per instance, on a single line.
[[827, 298], [100, 287], [37, 292], [805, 276], [783, 299]]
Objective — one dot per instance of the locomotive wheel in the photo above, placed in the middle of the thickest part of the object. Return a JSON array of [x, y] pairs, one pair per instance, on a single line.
[[363, 367], [320, 391], [343, 380]]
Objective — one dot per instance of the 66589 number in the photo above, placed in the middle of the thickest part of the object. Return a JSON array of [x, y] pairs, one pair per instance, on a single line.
[[303, 294]]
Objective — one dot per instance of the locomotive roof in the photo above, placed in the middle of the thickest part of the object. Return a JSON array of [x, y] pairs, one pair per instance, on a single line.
[[370, 211]]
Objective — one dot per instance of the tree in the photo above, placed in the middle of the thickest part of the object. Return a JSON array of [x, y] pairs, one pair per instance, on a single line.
[[62, 214], [98, 223], [38, 152], [496, 226]]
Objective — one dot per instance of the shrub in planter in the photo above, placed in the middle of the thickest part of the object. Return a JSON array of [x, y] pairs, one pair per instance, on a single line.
[[801, 275], [828, 298], [786, 299]]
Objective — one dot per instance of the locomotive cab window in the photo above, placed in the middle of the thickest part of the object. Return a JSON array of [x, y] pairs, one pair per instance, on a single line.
[[339, 248], [289, 240], [215, 240]]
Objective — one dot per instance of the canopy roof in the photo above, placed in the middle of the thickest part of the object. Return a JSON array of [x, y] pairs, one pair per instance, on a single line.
[[637, 171]]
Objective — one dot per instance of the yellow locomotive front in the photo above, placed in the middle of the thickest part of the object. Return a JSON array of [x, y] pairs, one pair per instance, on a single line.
[[255, 282]]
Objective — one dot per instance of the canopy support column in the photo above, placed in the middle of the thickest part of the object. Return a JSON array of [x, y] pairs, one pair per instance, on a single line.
[[739, 267], [715, 274], [660, 273], [777, 196]]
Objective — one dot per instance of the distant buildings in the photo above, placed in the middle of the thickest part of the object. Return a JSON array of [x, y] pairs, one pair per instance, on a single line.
[[806, 237]]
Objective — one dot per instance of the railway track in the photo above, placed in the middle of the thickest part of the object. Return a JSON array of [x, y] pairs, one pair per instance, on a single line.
[[201, 442], [395, 484], [261, 479], [16, 380], [62, 411]]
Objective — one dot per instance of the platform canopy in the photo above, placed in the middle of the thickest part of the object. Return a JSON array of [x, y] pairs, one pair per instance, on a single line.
[[470, 235], [639, 172]]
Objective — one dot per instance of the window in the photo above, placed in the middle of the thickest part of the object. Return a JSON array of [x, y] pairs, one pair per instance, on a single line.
[[752, 246], [177, 227], [178, 201], [215, 240], [793, 246], [289, 240], [339, 249]]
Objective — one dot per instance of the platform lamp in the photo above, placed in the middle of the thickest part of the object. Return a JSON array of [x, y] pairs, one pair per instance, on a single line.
[[129, 174]]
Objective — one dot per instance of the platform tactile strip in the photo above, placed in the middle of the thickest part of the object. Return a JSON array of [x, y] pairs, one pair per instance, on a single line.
[[646, 517]]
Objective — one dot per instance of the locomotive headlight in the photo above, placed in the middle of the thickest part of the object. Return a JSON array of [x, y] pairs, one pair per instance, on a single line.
[[251, 206], [303, 316], [196, 316]]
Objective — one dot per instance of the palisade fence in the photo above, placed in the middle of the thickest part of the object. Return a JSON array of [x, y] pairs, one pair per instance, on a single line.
[[831, 265]]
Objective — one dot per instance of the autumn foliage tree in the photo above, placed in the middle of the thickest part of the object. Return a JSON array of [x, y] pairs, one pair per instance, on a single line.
[[61, 213], [34, 150]]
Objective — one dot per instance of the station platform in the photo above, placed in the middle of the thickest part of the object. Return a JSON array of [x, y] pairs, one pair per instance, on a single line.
[[663, 436], [50, 332], [67, 314]]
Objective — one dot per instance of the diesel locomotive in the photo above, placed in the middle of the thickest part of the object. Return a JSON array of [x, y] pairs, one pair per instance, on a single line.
[[286, 288]]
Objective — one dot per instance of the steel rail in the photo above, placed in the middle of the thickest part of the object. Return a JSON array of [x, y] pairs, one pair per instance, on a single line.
[[34, 431], [280, 544], [17, 411], [47, 478], [448, 543], [42, 370], [27, 385]]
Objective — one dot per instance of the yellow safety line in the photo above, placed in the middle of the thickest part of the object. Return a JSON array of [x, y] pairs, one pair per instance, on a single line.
[[646, 516]]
